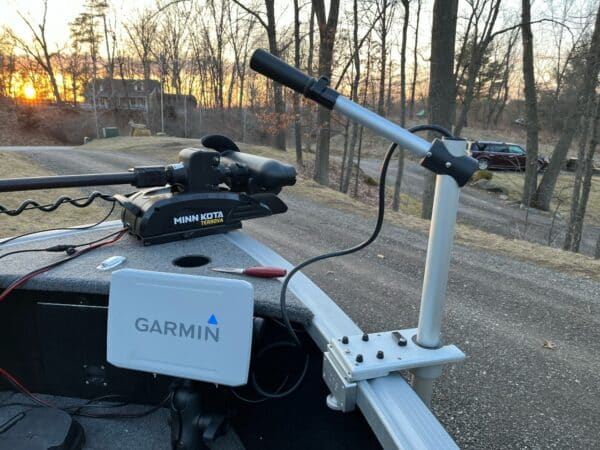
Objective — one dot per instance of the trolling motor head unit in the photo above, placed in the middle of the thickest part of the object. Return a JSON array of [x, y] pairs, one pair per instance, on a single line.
[[210, 190]]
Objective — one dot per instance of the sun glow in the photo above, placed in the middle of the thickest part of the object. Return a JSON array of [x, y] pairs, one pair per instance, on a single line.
[[29, 92]]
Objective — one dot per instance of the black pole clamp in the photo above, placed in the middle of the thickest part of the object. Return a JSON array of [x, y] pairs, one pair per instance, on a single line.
[[442, 162]]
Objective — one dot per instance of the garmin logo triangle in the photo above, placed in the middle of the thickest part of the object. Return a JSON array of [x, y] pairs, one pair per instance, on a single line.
[[212, 320]]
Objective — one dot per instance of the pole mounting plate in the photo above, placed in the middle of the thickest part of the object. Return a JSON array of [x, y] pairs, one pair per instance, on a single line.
[[374, 355]]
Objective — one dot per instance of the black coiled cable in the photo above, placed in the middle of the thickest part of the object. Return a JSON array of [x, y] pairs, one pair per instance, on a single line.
[[81, 202]]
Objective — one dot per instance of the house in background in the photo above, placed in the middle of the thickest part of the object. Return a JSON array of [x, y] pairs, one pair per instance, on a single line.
[[132, 95]]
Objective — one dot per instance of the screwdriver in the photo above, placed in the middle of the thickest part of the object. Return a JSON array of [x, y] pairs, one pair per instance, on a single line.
[[258, 271]]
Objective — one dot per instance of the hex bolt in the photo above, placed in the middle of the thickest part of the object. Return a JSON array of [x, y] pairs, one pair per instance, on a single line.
[[365, 337], [448, 165], [359, 358], [344, 339], [379, 354]]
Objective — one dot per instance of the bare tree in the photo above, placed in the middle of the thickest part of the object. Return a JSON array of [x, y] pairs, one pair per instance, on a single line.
[[142, 31], [327, 30], [531, 113], [413, 83], [8, 61], [84, 32], [270, 27], [241, 28], [385, 10], [581, 191], [348, 161], [398, 182], [297, 110], [591, 63], [441, 81], [486, 11], [37, 47]]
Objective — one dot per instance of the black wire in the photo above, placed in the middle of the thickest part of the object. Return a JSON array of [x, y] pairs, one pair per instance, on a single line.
[[59, 262], [347, 251], [279, 393], [428, 127], [80, 202], [69, 248], [12, 421], [89, 404], [87, 227], [16, 252], [380, 216], [133, 415]]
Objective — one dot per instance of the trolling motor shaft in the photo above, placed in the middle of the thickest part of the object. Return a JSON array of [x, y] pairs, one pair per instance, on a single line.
[[138, 177], [210, 190]]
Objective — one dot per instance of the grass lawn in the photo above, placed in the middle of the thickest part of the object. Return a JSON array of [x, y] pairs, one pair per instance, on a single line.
[[512, 182], [14, 165]]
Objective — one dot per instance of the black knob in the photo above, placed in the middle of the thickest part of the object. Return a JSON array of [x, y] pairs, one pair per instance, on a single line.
[[359, 358], [365, 337], [380, 354]]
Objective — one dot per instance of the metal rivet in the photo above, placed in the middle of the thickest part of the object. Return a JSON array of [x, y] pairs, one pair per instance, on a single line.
[[359, 358], [344, 339], [102, 367], [104, 384], [380, 354], [87, 382], [448, 165], [428, 154]]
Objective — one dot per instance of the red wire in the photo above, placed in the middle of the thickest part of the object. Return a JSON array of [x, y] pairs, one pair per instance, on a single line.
[[24, 279], [23, 389]]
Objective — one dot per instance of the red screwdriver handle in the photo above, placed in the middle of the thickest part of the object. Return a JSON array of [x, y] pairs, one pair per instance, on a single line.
[[265, 272]]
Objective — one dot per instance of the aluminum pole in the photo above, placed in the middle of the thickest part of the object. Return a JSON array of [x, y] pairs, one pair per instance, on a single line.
[[382, 126], [437, 267]]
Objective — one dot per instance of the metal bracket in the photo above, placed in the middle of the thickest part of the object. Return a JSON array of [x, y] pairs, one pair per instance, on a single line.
[[350, 359]]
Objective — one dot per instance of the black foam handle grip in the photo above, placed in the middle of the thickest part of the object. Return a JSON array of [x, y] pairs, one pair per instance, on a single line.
[[267, 172], [278, 70]]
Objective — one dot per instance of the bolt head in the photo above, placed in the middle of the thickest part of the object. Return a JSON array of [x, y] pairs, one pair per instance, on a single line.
[[448, 165], [344, 339], [365, 337], [380, 354], [359, 358]]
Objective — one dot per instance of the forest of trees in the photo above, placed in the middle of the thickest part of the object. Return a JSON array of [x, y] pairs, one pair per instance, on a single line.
[[488, 62]]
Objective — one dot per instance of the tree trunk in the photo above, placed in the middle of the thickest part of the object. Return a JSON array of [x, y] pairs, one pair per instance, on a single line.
[[281, 136], [583, 180], [327, 31], [297, 109], [310, 106], [545, 190], [384, 31], [531, 114], [347, 172], [441, 81], [413, 83], [398, 182]]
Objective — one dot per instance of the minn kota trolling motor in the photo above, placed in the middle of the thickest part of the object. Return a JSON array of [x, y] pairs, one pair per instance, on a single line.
[[188, 199]]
